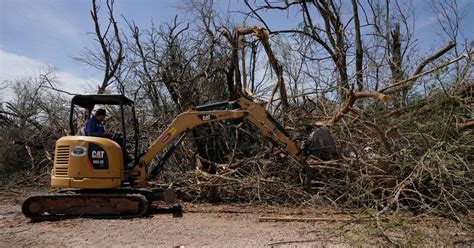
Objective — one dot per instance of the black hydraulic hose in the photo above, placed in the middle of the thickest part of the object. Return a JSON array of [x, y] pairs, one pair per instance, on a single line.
[[154, 172]]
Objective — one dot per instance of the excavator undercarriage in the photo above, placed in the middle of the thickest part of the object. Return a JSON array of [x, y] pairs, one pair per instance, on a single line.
[[113, 203]]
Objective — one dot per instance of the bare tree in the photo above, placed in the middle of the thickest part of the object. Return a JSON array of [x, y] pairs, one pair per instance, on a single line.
[[449, 17], [110, 55]]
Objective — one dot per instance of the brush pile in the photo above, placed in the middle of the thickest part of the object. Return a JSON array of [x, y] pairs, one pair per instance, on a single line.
[[418, 158]]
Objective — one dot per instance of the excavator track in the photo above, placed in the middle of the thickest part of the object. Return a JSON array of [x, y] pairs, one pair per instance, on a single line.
[[72, 204]]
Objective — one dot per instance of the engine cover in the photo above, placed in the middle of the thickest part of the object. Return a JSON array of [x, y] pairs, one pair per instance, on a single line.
[[87, 162]]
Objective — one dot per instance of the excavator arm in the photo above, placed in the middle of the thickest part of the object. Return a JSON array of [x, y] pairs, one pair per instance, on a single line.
[[241, 108]]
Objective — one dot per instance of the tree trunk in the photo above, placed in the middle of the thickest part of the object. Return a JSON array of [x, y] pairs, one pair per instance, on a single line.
[[396, 64]]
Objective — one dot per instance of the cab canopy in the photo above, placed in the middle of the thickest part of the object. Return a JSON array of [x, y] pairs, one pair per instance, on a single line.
[[88, 101]]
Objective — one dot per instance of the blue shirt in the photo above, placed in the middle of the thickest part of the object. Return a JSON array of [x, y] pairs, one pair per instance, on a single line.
[[95, 128]]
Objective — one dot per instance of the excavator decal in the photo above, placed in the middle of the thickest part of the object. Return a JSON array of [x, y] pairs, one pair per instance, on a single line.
[[98, 157], [78, 151], [90, 164], [207, 117], [168, 135]]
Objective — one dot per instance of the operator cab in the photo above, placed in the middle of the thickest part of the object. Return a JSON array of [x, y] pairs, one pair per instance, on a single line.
[[126, 113]]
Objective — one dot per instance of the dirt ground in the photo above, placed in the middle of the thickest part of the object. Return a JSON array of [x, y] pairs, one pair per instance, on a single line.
[[226, 226]]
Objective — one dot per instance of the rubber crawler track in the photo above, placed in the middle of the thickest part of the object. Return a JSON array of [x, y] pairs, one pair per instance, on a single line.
[[59, 206]]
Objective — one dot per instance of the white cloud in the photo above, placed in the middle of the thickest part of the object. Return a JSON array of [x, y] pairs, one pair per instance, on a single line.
[[14, 66], [47, 19]]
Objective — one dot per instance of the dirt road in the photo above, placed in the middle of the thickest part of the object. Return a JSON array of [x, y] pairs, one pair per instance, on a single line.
[[218, 226]]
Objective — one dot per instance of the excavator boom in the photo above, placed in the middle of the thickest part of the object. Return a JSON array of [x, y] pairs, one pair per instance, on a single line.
[[241, 108]]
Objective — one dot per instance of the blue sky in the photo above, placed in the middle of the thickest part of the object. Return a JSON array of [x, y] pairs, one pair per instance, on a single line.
[[50, 32]]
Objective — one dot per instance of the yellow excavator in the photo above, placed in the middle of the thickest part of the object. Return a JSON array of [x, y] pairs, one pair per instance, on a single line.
[[100, 177]]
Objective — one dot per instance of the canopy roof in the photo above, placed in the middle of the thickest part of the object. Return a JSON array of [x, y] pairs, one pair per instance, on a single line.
[[88, 101]]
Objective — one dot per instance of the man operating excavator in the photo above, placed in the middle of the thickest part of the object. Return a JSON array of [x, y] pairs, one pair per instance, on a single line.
[[95, 127]]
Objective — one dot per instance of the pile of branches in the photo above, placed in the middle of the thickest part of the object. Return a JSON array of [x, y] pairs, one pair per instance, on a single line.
[[418, 158]]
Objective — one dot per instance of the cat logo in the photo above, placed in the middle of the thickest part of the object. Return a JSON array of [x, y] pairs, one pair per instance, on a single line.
[[97, 158], [97, 154], [207, 117]]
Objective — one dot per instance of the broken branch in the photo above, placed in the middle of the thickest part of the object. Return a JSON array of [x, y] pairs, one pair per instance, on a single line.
[[353, 96], [415, 77]]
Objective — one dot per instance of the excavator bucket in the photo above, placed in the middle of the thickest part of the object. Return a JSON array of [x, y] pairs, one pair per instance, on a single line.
[[321, 144]]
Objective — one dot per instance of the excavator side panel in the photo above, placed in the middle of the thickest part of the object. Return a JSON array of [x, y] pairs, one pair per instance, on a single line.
[[87, 163]]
